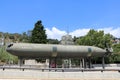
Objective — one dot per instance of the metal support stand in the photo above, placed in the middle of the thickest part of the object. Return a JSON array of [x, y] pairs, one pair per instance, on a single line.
[[55, 59], [83, 62], [20, 62], [69, 63], [80, 63], [89, 63], [103, 62]]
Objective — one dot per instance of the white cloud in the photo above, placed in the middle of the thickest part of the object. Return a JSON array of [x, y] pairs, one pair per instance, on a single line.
[[79, 32], [55, 33], [114, 31]]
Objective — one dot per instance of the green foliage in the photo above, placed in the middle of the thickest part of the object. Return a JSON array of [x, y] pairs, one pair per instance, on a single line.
[[115, 57], [24, 37], [75, 61], [42, 60], [99, 39], [116, 48], [38, 33], [95, 38], [53, 41], [6, 57]]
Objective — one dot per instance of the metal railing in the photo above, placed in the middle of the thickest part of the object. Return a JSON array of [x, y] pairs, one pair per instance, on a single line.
[[23, 68]]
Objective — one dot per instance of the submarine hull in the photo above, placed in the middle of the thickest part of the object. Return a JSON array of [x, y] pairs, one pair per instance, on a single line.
[[27, 50]]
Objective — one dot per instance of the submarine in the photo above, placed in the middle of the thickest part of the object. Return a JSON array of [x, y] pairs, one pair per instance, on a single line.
[[32, 50]]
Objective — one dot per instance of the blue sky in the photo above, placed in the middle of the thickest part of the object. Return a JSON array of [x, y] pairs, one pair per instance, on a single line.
[[18, 16]]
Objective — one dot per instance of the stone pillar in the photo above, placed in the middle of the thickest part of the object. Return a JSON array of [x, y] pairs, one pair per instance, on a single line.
[[49, 62], [20, 61]]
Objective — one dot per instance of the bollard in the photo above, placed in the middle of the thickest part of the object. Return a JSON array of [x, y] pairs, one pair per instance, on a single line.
[[3, 69], [42, 70]]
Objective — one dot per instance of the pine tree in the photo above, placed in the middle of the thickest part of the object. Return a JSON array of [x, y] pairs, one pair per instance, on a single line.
[[38, 36], [38, 33]]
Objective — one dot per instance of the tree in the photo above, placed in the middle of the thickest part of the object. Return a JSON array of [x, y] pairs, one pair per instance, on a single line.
[[116, 48], [115, 58], [98, 39], [24, 37], [38, 33], [53, 41], [95, 38], [39, 36]]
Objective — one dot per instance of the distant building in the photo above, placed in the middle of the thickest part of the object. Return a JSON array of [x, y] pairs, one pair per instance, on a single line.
[[116, 41], [29, 33], [67, 40], [2, 40]]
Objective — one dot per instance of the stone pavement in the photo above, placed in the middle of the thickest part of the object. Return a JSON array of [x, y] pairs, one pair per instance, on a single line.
[[38, 75]]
